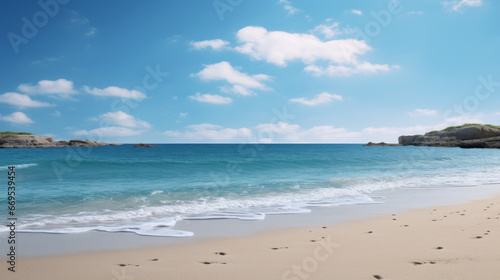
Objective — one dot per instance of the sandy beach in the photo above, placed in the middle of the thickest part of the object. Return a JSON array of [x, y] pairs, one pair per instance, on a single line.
[[454, 242]]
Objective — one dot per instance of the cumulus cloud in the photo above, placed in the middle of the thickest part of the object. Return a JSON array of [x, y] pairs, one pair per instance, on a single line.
[[110, 131], [211, 132], [216, 44], [280, 128], [322, 98], [423, 112], [292, 133], [280, 48], [22, 101], [115, 92], [17, 118], [211, 98], [123, 119], [459, 5], [240, 83], [116, 124], [61, 87]]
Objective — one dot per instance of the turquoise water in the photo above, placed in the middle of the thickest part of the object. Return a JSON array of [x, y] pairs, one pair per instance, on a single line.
[[148, 190]]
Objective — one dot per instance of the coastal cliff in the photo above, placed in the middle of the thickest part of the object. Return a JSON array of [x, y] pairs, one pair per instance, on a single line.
[[26, 140], [466, 136]]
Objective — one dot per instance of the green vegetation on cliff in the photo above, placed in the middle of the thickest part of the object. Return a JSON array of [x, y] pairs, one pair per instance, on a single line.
[[462, 126], [4, 134]]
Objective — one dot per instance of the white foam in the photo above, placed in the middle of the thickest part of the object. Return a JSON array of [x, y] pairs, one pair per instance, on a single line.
[[160, 220], [227, 215], [19, 166]]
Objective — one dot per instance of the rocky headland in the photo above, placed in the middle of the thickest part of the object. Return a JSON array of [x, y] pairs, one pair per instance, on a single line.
[[465, 136], [27, 140]]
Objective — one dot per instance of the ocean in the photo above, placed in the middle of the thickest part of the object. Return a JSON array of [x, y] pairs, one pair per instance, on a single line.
[[148, 190]]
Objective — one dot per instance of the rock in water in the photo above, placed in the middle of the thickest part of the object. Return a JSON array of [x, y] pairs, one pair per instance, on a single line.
[[140, 145]]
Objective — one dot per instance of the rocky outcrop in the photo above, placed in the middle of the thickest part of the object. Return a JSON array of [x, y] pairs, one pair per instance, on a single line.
[[464, 137], [144, 146], [381, 144], [34, 141]]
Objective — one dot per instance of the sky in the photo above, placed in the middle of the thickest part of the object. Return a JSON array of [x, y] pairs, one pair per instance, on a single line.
[[241, 71]]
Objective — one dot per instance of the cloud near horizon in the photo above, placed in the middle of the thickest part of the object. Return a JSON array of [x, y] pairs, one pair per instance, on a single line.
[[282, 132], [110, 131], [123, 119], [423, 112], [116, 124]]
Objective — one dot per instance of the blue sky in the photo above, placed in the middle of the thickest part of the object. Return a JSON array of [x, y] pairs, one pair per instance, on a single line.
[[238, 71]]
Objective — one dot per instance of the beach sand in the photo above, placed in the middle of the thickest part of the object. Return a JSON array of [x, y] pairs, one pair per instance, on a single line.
[[454, 242]]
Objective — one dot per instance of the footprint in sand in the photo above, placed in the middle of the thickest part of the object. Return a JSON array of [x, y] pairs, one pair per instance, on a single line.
[[122, 264], [422, 263], [220, 253], [276, 248], [213, 262]]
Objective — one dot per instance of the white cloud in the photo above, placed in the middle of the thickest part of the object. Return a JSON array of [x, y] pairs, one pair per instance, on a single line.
[[328, 30], [241, 83], [280, 128], [291, 10], [183, 115], [423, 112], [17, 118], [21, 100], [345, 71], [110, 131], [292, 133], [321, 98], [356, 12], [216, 44], [458, 5], [61, 87], [211, 98], [210, 133], [280, 48], [115, 92], [123, 119]]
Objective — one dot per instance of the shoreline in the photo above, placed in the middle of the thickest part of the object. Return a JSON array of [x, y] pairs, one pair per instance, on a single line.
[[399, 245], [386, 202]]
